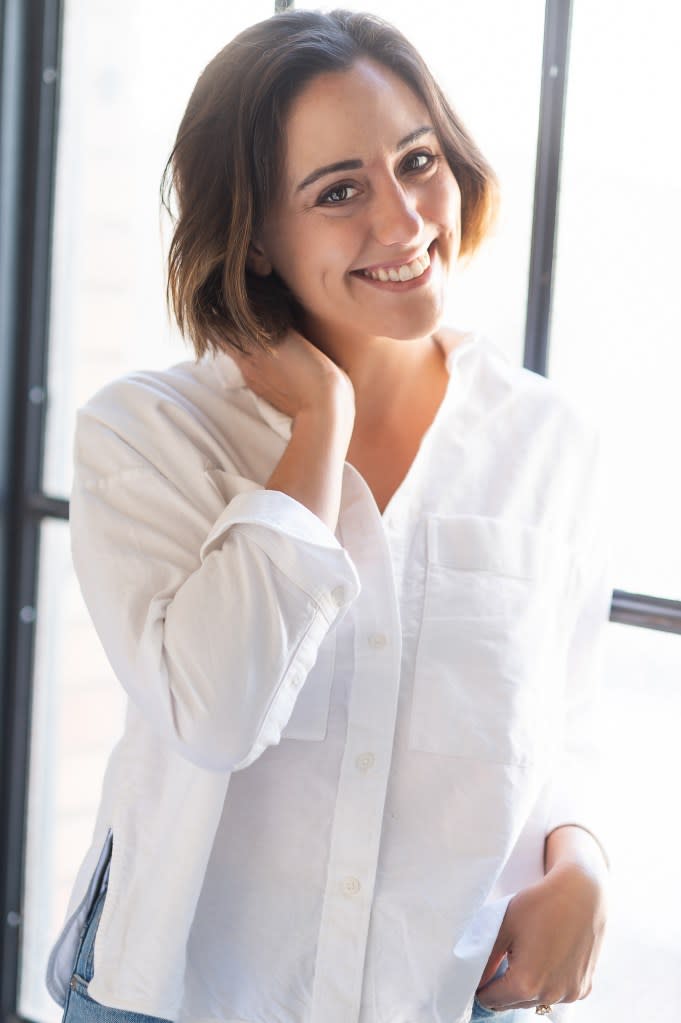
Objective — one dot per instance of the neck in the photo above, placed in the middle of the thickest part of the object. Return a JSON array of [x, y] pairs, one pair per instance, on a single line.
[[388, 375]]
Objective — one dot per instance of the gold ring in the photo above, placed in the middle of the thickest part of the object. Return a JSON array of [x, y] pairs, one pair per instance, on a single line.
[[543, 1010]]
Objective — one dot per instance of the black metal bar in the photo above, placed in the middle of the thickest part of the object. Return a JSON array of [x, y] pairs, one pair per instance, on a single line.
[[43, 506], [31, 52], [11, 99], [546, 183], [646, 612], [12, 108]]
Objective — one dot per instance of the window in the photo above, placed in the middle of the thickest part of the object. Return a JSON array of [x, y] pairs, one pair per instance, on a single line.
[[615, 346], [125, 71]]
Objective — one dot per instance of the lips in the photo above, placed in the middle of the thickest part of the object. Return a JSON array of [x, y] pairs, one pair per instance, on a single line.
[[400, 275], [407, 268], [404, 272]]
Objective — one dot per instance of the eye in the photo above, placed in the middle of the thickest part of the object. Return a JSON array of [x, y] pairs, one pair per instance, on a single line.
[[430, 159], [337, 190]]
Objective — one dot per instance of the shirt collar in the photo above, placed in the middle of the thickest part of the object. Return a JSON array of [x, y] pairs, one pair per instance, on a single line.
[[454, 344]]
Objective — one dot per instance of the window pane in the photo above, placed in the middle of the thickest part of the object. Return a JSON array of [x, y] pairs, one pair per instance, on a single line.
[[639, 964], [128, 71], [78, 711], [487, 56], [617, 306]]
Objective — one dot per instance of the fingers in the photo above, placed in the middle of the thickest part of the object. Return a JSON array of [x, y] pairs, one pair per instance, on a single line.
[[493, 964], [499, 951], [496, 958], [512, 991], [523, 990], [552, 933]]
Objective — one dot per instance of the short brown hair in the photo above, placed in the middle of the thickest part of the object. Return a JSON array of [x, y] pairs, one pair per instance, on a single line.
[[228, 156]]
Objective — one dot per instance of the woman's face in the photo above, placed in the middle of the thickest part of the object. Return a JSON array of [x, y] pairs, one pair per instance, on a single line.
[[394, 199]]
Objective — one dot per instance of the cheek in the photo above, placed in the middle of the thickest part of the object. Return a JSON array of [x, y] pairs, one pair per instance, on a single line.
[[325, 257], [314, 258], [309, 270], [452, 203], [291, 262], [449, 200]]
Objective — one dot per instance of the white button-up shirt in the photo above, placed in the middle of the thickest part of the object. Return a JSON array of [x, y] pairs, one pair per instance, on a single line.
[[342, 752]]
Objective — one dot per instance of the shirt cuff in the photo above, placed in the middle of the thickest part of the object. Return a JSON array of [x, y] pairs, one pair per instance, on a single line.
[[274, 509], [297, 541]]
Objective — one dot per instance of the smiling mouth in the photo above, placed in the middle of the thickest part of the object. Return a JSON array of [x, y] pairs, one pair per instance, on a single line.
[[404, 272], [398, 277]]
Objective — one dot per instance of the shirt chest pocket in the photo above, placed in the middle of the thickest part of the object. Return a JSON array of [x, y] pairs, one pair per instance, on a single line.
[[486, 653]]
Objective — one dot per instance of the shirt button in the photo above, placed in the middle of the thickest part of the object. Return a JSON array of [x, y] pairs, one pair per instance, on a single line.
[[338, 595], [364, 761], [351, 885], [377, 640]]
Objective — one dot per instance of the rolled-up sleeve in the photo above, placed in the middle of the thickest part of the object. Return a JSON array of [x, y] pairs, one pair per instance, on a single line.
[[577, 794], [211, 625]]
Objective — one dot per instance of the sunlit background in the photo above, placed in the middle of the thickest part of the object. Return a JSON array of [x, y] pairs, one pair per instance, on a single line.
[[128, 70]]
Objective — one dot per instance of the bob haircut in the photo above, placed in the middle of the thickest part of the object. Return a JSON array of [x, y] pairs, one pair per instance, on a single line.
[[228, 159]]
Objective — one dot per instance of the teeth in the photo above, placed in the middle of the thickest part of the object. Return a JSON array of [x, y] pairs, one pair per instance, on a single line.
[[406, 272]]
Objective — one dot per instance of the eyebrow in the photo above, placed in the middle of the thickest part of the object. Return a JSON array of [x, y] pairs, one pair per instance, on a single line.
[[343, 165]]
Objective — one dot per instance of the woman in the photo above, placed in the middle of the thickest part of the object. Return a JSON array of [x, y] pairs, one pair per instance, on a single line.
[[348, 565]]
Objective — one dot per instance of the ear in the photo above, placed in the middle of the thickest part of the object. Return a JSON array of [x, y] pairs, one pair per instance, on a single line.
[[256, 259]]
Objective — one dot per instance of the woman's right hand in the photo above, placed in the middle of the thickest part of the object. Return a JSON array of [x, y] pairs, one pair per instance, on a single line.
[[297, 376], [301, 381]]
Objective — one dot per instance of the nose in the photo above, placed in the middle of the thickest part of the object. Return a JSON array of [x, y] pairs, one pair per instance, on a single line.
[[396, 219]]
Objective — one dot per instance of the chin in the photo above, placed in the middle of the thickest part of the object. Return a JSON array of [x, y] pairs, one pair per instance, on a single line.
[[408, 328]]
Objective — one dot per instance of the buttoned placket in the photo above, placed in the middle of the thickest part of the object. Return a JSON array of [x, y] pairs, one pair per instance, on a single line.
[[365, 767]]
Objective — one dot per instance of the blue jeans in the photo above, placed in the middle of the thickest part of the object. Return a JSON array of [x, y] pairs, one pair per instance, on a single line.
[[80, 1008], [503, 1015]]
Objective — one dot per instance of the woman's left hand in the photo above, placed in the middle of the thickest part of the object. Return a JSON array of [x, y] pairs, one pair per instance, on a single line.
[[552, 933]]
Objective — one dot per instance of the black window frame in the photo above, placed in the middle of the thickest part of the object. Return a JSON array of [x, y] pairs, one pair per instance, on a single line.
[[30, 51]]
